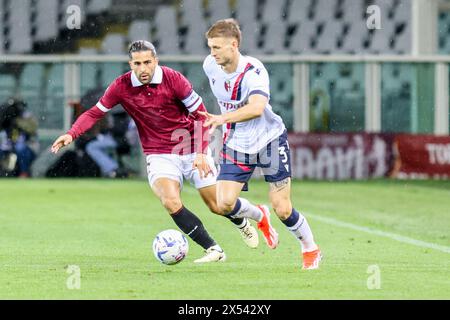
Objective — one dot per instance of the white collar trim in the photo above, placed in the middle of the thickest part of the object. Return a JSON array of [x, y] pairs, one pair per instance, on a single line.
[[241, 64], [157, 78]]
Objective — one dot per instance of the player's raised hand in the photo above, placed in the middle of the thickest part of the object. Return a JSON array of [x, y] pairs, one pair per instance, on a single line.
[[201, 164], [212, 121], [62, 141]]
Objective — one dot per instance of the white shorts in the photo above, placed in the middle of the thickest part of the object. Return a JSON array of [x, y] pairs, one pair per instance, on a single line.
[[176, 167]]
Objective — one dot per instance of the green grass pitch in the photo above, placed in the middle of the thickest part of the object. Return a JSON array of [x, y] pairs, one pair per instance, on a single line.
[[106, 228]]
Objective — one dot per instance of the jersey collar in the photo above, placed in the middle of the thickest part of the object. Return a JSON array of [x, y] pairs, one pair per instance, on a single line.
[[241, 64], [157, 78]]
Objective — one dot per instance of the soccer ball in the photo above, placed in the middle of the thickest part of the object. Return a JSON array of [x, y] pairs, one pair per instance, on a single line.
[[170, 246]]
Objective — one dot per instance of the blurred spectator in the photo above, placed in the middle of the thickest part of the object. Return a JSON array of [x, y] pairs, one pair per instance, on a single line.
[[18, 143], [107, 141], [111, 144]]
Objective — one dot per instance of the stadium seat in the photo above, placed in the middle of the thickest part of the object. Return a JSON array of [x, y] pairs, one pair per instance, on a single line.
[[194, 72], [139, 30], [218, 9], [195, 41], [324, 10], [2, 38], [403, 42], [191, 9], [251, 37], [193, 19], [281, 75], [273, 12], [403, 11], [8, 87], [301, 41], [114, 43], [55, 80], [298, 12], [98, 6], [31, 86], [89, 76], [246, 11], [274, 40], [19, 24], [32, 77], [332, 31], [353, 10], [166, 26], [50, 115], [353, 40], [109, 72], [46, 22], [380, 40]]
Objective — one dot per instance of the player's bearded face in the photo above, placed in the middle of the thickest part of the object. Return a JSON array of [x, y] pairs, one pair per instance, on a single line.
[[143, 65]]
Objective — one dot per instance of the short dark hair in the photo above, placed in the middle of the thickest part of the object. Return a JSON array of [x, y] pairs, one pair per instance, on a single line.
[[141, 45]]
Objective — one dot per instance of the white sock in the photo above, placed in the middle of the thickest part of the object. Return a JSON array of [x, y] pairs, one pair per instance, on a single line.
[[244, 209], [299, 227]]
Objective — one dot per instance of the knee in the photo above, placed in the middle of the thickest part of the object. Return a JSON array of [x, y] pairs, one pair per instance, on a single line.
[[225, 206], [283, 209], [214, 208], [171, 203]]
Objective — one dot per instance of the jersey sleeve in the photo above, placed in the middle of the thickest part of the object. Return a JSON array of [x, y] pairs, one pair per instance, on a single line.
[[110, 98], [207, 65], [258, 82], [90, 117], [186, 93]]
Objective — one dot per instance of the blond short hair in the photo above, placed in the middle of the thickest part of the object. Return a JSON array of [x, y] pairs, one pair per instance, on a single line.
[[228, 28]]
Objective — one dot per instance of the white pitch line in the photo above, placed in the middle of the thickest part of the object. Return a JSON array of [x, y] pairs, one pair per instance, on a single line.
[[380, 233]]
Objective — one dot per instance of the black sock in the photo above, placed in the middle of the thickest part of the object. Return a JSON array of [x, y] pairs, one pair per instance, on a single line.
[[193, 227], [236, 221]]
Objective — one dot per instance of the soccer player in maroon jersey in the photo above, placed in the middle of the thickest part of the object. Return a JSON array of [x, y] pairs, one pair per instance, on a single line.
[[165, 108]]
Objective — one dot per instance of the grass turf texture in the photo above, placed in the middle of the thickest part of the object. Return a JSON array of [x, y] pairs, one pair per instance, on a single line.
[[106, 227]]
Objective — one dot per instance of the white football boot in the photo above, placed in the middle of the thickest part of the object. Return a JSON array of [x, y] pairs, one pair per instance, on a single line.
[[249, 235], [213, 254]]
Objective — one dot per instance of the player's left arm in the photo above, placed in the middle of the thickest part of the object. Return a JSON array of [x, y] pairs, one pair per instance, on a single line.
[[253, 109], [257, 82], [201, 142]]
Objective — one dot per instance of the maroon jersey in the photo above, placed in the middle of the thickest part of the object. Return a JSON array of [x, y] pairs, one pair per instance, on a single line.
[[165, 112]]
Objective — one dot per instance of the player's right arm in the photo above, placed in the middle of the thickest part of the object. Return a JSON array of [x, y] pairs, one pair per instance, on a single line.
[[62, 141], [83, 124], [87, 120]]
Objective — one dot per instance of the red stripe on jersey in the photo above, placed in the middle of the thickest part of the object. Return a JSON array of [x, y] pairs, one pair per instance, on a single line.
[[237, 84], [227, 133]]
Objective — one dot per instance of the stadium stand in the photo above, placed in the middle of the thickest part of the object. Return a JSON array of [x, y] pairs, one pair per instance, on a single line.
[[218, 9], [178, 27], [166, 30], [336, 29]]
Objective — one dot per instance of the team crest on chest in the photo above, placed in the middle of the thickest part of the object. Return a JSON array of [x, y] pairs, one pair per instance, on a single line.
[[227, 85]]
